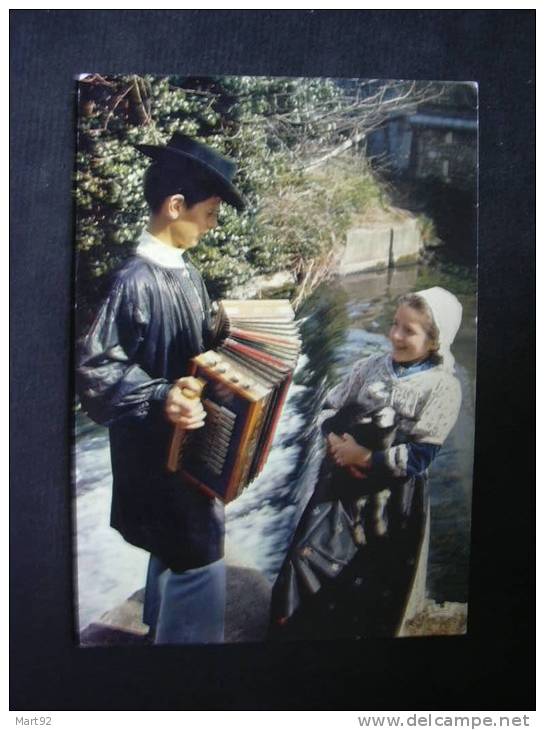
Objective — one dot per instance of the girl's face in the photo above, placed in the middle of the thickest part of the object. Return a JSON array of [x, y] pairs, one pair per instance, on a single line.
[[408, 335]]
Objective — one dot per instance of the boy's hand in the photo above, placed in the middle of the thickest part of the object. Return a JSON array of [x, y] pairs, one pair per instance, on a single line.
[[345, 451], [184, 409]]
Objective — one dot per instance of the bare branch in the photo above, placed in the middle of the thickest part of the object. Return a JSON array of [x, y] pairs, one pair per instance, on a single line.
[[118, 99], [337, 150]]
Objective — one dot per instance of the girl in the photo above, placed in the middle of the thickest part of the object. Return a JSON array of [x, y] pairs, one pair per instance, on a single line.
[[352, 563]]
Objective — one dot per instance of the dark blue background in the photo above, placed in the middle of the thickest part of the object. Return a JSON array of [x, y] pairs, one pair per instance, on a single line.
[[488, 669]]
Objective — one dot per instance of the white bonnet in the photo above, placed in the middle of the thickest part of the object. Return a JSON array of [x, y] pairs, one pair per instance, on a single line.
[[447, 313]]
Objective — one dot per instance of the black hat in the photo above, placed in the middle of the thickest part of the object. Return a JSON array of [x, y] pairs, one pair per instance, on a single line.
[[221, 169]]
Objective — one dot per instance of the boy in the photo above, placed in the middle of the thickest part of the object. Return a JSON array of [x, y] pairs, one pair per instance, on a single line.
[[130, 369]]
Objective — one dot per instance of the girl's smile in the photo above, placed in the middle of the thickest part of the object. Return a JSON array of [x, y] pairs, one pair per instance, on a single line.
[[408, 335]]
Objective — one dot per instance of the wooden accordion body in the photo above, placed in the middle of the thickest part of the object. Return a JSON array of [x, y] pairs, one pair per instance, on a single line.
[[245, 379]]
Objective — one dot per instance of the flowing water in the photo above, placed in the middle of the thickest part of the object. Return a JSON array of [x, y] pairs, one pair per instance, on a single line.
[[345, 319]]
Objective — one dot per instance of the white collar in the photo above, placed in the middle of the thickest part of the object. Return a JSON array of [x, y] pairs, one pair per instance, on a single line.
[[160, 253]]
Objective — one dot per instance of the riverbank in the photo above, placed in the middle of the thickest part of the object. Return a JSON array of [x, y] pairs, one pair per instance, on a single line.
[[246, 617], [383, 238], [246, 613]]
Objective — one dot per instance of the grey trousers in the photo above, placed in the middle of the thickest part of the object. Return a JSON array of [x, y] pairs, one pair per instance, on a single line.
[[186, 607]]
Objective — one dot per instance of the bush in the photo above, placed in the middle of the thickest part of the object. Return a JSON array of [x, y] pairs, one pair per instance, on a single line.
[[310, 212], [272, 127]]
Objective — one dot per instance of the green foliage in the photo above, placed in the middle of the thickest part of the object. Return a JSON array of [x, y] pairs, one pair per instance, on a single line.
[[270, 126]]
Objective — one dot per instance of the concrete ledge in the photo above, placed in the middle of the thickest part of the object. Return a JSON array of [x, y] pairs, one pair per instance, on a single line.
[[247, 613], [378, 245], [407, 241], [366, 248]]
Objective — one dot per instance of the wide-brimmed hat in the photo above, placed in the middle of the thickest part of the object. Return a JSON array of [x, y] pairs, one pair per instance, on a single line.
[[220, 169]]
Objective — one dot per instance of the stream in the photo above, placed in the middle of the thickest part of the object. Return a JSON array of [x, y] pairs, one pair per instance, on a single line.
[[344, 320]]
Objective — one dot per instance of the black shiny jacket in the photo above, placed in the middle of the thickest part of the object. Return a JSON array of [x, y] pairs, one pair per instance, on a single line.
[[153, 321]]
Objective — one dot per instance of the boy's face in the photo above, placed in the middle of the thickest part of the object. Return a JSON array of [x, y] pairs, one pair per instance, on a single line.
[[192, 223], [408, 335]]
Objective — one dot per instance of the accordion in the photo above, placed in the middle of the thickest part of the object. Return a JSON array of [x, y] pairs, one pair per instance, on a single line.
[[245, 381]]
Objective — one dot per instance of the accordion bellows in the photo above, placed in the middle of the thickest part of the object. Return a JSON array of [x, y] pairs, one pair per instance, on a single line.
[[246, 379]]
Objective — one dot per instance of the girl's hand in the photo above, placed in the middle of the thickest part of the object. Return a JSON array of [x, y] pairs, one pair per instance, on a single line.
[[356, 473], [345, 451]]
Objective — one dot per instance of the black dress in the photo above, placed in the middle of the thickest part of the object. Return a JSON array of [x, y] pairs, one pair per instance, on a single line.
[[352, 561]]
